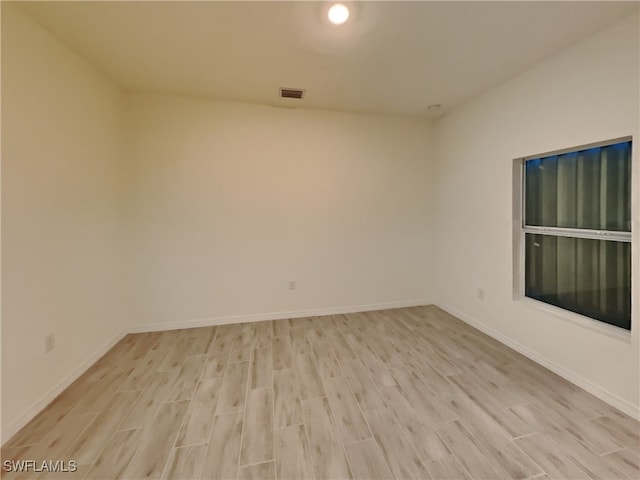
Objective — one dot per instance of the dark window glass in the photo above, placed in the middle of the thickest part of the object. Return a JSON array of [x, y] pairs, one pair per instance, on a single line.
[[589, 277], [587, 189]]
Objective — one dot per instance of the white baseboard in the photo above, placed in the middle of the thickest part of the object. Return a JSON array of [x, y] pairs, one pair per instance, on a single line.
[[257, 317], [596, 390], [10, 430]]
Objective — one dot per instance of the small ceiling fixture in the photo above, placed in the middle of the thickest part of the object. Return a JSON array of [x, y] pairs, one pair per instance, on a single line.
[[297, 93], [434, 108], [338, 14]]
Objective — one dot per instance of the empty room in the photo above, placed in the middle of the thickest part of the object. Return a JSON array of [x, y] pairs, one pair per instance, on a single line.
[[320, 240]]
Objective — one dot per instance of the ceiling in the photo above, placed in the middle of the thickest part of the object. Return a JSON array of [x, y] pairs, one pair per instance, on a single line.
[[390, 57]]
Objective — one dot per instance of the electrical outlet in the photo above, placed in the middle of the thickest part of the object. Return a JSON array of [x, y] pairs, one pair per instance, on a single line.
[[480, 294], [49, 343], [292, 284]]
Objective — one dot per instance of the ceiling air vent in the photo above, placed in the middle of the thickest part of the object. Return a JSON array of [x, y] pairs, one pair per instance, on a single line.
[[291, 93]]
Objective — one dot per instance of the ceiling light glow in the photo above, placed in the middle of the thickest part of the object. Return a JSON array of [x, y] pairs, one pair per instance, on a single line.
[[338, 14]]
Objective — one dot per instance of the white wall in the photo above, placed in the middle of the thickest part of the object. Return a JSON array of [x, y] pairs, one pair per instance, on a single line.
[[585, 94], [230, 201], [62, 215]]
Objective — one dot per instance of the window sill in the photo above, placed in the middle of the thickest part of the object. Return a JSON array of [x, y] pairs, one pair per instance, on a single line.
[[580, 320]]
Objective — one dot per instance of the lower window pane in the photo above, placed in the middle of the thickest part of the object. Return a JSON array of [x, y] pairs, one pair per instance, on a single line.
[[589, 277]]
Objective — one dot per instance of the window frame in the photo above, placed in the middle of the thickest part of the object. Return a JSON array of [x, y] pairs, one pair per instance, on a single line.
[[520, 230]]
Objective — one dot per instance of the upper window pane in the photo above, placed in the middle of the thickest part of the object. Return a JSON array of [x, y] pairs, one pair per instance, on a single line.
[[587, 189]]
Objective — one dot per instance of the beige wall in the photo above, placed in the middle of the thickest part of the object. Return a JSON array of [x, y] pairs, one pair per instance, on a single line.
[[61, 215], [585, 94], [230, 201]]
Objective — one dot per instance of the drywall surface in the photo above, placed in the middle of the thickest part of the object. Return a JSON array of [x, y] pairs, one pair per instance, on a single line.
[[585, 94], [62, 215], [231, 202]]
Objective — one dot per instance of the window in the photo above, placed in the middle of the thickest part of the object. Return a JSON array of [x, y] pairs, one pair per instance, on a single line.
[[575, 232]]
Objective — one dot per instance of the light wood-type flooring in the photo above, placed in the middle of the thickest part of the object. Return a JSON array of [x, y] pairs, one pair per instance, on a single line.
[[405, 393]]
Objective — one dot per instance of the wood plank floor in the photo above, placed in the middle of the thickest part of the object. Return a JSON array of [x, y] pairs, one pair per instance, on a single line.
[[405, 393]]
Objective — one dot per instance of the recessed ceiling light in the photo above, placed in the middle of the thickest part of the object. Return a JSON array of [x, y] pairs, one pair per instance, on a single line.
[[338, 14]]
